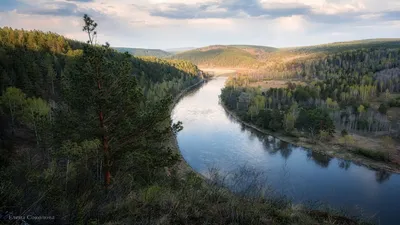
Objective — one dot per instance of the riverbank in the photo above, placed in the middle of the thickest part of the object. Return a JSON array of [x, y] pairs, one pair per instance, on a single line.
[[330, 149], [182, 167], [216, 203]]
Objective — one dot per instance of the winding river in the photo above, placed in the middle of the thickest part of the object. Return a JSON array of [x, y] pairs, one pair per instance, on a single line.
[[211, 138]]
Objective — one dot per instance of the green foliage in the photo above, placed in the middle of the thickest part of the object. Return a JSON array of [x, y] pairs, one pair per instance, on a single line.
[[347, 140], [375, 155], [344, 132], [315, 120], [290, 118], [12, 102], [145, 52], [383, 108], [67, 98], [225, 56], [324, 135], [394, 102], [309, 61]]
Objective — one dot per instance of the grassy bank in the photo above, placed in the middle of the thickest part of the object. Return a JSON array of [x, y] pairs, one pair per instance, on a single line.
[[366, 157]]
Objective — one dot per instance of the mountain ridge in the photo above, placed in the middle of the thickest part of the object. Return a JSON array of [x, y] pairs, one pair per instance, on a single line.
[[255, 56]]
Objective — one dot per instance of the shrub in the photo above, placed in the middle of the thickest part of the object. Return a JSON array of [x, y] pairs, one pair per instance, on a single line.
[[324, 135], [344, 132], [375, 155], [347, 140], [383, 108]]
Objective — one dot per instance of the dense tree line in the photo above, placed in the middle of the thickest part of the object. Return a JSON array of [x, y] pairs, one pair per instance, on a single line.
[[36, 61], [278, 109], [81, 125], [220, 56], [144, 52], [341, 84], [285, 65], [299, 61]]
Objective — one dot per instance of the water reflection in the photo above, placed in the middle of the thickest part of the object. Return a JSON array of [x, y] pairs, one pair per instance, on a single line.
[[285, 149], [344, 164], [382, 176], [320, 159], [212, 138]]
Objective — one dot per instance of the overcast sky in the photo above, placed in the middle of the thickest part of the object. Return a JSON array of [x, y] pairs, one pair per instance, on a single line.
[[195, 23]]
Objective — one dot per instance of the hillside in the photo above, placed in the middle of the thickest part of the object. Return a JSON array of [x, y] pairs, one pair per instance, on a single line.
[[179, 50], [263, 57], [346, 94], [343, 46], [86, 138], [225, 55], [144, 52], [65, 108]]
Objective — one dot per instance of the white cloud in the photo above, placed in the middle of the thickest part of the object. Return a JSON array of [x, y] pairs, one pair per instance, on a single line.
[[292, 23], [131, 23]]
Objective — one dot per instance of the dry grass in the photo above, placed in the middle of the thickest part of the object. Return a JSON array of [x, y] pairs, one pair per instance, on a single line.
[[193, 200], [372, 144]]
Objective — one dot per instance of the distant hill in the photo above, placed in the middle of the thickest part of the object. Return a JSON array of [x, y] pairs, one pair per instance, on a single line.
[[226, 55], [144, 52], [178, 50], [349, 45], [257, 57]]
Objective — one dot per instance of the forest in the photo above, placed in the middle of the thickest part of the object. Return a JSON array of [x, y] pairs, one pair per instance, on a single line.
[[276, 61], [77, 118], [144, 52], [345, 92], [86, 138]]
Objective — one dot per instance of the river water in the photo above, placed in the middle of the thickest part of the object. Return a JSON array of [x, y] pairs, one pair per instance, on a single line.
[[213, 139]]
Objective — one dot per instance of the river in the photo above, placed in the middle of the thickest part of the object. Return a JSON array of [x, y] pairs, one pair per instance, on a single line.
[[211, 138]]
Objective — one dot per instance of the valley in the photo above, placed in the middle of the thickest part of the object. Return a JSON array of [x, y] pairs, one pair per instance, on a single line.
[[222, 134]]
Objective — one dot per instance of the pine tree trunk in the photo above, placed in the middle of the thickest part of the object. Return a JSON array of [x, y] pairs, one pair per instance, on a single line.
[[106, 148]]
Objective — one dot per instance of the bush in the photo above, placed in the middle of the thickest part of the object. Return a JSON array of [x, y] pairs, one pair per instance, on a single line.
[[375, 155], [344, 132], [394, 103], [383, 108], [324, 135], [347, 140]]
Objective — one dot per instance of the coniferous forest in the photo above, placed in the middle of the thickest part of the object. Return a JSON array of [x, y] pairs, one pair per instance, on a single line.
[[345, 91], [86, 135]]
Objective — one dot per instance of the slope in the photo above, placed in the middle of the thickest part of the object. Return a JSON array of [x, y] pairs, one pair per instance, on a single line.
[[224, 56], [261, 57], [144, 52]]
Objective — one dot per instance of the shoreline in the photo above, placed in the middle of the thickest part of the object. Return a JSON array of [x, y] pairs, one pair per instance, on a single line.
[[182, 166], [331, 150]]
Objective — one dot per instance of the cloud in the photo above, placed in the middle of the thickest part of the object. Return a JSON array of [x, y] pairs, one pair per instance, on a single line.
[[327, 12], [80, 0], [56, 8], [180, 23], [51, 9], [228, 9]]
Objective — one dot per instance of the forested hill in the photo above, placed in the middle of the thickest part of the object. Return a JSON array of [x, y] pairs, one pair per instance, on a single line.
[[226, 55], [144, 52], [262, 58], [343, 46], [77, 119], [36, 62], [348, 87]]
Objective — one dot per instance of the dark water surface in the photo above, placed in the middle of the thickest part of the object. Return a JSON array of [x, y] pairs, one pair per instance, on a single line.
[[212, 139]]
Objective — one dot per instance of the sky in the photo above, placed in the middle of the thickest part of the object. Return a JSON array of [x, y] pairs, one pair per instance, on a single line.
[[166, 24]]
